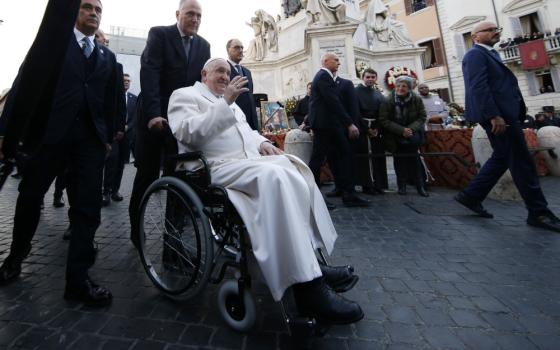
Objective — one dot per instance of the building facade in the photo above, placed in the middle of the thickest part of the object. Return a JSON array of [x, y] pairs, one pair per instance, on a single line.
[[522, 21]]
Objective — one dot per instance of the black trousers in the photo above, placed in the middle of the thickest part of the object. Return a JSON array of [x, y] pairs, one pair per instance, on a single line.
[[151, 147], [510, 152], [83, 154], [60, 183], [335, 144], [114, 166], [370, 172], [407, 167]]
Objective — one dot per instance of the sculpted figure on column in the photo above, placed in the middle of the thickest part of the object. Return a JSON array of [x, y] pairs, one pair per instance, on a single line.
[[383, 29], [326, 11]]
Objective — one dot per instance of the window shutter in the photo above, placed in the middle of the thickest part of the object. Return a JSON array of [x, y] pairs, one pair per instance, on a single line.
[[516, 28], [438, 50], [555, 75], [542, 26], [408, 6], [459, 46], [532, 83]]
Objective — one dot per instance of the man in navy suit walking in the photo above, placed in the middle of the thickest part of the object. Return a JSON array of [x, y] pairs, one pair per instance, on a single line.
[[493, 100], [245, 101], [78, 134]]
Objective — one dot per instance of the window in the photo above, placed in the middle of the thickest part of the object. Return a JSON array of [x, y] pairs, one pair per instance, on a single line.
[[530, 23], [468, 40], [433, 56], [412, 6], [544, 81]]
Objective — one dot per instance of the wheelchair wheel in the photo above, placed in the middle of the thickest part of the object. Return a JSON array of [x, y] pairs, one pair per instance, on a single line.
[[239, 317], [175, 238]]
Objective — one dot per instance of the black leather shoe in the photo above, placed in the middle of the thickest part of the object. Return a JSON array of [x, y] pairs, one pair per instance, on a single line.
[[315, 299], [352, 200], [334, 193], [473, 205], [422, 191], [330, 206], [9, 271], [369, 190], [547, 221], [88, 293], [106, 199], [67, 233], [339, 278], [117, 197], [58, 201]]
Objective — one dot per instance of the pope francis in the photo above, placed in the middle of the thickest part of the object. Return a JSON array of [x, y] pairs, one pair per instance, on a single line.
[[275, 194]]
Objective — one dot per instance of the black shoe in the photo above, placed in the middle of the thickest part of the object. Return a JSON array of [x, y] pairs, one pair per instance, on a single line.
[[88, 293], [334, 193], [9, 271], [58, 201], [339, 278], [16, 176], [106, 199], [351, 199], [315, 299], [67, 234], [547, 221], [473, 205], [369, 190], [117, 197], [330, 206], [402, 189], [422, 191]]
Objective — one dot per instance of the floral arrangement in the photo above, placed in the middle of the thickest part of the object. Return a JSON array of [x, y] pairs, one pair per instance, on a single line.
[[290, 105], [394, 72]]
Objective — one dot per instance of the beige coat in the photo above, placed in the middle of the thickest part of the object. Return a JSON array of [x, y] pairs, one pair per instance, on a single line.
[[276, 196]]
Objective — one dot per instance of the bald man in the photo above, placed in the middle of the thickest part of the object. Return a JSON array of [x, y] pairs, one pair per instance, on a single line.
[[291, 217], [493, 99], [173, 58]]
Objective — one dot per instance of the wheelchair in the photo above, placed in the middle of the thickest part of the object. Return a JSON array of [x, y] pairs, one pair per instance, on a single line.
[[190, 234]]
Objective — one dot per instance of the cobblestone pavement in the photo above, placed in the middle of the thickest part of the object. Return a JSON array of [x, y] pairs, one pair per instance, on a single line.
[[432, 277]]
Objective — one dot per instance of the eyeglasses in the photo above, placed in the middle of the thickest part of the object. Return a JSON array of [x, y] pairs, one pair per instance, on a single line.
[[491, 30], [237, 47]]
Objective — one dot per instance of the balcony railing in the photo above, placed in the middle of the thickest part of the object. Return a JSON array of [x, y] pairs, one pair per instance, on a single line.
[[511, 53]]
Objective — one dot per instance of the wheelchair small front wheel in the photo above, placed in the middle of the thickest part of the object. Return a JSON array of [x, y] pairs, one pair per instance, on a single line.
[[240, 316]]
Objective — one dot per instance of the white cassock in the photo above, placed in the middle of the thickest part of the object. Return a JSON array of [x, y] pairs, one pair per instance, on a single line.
[[276, 196]]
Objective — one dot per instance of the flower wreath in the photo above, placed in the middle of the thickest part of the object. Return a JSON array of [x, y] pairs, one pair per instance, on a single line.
[[394, 72]]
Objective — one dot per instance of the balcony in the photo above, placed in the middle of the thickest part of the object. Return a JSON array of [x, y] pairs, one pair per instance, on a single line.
[[510, 54]]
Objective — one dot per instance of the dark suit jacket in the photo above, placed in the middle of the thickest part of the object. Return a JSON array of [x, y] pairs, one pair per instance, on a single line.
[[349, 99], [77, 91], [325, 107], [131, 101], [490, 89], [120, 103], [24, 116], [246, 101], [165, 68]]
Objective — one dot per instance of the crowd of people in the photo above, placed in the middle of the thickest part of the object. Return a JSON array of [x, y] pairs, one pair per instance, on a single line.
[[192, 102]]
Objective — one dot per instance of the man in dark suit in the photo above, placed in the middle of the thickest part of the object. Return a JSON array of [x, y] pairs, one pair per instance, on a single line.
[[130, 126], [173, 58], [494, 100], [245, 101], [302, 107], [78, 133], [332, 127]]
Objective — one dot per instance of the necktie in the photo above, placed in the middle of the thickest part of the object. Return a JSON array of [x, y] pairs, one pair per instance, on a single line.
[[239, 69], [87, 48], [496, 55], [187, 45]]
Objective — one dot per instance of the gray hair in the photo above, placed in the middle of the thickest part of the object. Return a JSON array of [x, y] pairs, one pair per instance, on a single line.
[[405, 79]]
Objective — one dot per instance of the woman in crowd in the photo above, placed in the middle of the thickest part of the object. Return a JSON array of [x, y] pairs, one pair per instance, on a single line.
[[402, 115]]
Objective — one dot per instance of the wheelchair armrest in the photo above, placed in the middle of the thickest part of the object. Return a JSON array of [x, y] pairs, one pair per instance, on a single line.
[[188, 156]]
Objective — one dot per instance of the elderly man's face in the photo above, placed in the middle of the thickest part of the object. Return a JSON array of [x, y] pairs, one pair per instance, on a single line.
[[424, 90], [189, 17], [89, 16], [487, 33], [401, 89], [216, 76], [101, 38], [235, 51], [331, 62], [370, 79]]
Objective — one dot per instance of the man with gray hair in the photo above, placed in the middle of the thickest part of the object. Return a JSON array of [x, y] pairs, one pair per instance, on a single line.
[[173, 58], [275, 195]]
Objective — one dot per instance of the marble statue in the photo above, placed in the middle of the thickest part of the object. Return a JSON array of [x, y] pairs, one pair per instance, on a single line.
[[291, 7], [383, 30], [266, 36], [326, 11]]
